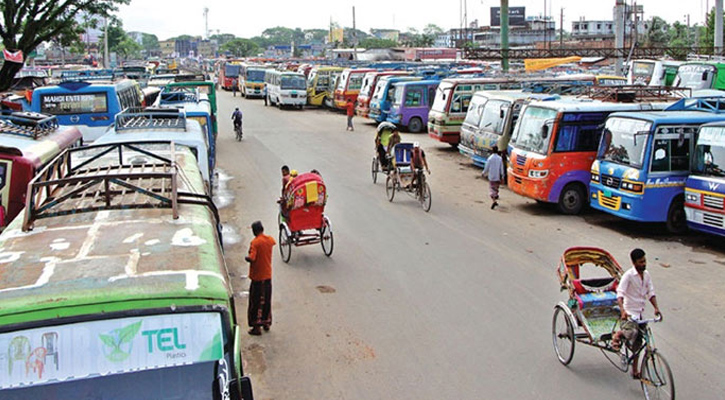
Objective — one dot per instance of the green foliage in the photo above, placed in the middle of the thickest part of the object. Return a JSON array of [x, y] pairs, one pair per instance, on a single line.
[[279, 35], [241, 48], [657, 34], [28, 23], [222, 38], [375, 43], [149, 41]]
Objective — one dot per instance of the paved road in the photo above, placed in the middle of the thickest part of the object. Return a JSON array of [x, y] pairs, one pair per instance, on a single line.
[[455, 303]]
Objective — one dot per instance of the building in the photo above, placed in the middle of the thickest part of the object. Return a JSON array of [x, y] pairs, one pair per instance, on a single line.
[[536, 29], [168, 48], [386, 34], [598, 31], [206, 48]]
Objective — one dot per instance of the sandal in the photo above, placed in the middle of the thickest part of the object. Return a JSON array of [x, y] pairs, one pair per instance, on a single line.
[[637, 376]]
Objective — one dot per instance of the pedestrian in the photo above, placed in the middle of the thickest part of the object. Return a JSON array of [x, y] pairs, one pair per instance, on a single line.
[[350, 107], [495, 173], [264, 94], [259, 311], [234, 87]]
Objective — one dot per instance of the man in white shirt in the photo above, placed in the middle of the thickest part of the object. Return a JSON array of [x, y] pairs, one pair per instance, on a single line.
[[494, 172], [635, 288]]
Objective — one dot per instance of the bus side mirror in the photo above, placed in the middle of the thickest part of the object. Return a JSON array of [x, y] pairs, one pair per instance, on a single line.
[[246, 386], [704, 76], [544, 131]]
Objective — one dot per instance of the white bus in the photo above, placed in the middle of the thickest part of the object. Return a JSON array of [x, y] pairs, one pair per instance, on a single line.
[[285, 88]]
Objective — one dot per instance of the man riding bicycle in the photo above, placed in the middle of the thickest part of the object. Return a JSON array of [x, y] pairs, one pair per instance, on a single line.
[[237, 118], [417, 162]]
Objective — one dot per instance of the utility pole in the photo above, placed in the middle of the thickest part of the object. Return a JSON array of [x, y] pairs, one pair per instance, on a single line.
[[561, 29], [546, 31], [106, 56], [505, 35], [619, 34], [718, 27], [354, 35]]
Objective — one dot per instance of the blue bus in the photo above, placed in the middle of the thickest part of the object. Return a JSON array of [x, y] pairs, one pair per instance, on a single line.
[[89, 106], [705, 187], [644, 160], [197, 107], [412, 103], [383, 96]]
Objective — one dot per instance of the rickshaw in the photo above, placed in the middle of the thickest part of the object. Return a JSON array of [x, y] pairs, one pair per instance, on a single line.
[[591, 316], [401, 177], [380, 166], [303, 221]]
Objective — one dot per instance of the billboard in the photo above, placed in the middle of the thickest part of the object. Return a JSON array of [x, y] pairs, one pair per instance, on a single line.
[[517, 16]]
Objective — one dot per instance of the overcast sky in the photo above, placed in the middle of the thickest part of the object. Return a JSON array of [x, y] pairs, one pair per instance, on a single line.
[[245, 18]]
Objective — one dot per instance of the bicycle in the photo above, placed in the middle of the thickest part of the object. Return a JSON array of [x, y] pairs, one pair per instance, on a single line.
[[238, 131]]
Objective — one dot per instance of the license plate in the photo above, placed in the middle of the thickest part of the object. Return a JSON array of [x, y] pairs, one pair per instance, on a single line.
[[607, 193]]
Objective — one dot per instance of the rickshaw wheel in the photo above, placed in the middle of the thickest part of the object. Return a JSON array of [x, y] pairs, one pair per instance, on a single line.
[[563, 336], [374, 169], [426, 199], [326, 238], [657, 382], [285, 243], [390, 188]]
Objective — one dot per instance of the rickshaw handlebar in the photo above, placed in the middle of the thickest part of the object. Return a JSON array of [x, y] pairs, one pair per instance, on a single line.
[[656, 319]]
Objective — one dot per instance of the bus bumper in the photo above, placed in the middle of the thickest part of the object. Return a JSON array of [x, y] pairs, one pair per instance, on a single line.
[[705, 221], [622, 205], [436, 132]]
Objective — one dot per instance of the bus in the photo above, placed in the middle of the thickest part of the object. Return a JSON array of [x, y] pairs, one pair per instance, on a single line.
[[320, 86], [196, 107], [229, 74], [349, 85], [91, 107], [451, 104], [490, 119], [652, 72], [286, 88], [251, 80], [384, 95], [362, 105], [114, 283], [27, 142], [553, 146], [412, 103], [164, 124], [644, 160], [200, 87], [699, 75], [705, 187]]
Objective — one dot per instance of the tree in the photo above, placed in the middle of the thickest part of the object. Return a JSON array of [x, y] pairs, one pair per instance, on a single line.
[[375, 43], [149, 42], [222, 38], [707, 33], [657, 33], [28, 23], [241, 48], [279, 35], [128, 48]]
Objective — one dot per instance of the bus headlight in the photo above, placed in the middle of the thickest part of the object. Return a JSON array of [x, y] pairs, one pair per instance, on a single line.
[[635, 187], [595, 177], [538, 174], [692, 197]]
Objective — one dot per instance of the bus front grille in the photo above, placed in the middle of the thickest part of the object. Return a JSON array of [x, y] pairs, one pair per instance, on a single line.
[[715, 220], [711, 201], [611, 181], [612, 203], [520, 160]]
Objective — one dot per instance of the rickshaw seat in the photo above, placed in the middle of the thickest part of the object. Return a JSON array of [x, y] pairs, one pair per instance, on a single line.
[[601, 299], [596, 292], [402, 155]]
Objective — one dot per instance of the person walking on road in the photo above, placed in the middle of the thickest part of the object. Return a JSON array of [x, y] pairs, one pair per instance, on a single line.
[[264, 94], [350, 107], [234, 87], [259, 311], [495, 173]]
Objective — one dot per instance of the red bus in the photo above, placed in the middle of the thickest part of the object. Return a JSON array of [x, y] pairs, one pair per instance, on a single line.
[[362, 106], [28, 141], [228, 74], [349, 85]]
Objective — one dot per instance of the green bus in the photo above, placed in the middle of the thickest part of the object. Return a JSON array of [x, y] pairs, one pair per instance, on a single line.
[[113, 283], [198, 86]]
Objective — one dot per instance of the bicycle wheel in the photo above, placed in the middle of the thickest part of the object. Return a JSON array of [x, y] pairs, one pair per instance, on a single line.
[[285, 243], [657, 382], [374, 169], [326, 239], [562, 333], [390, 188], [425, 197]]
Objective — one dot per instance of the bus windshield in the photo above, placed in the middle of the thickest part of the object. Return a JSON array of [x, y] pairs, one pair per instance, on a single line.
[[231, 70], [293, 82], [442, 94], [342, 81], [379, 89], [84, 103], [533, 131], [642, 72], [695, 76], [355, 82], [710, 152], [367, 85], [624, 141], [255, 75]]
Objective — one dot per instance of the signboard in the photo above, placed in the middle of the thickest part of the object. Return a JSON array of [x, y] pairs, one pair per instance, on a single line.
[[60, 104], [517, 16], [108, 347]]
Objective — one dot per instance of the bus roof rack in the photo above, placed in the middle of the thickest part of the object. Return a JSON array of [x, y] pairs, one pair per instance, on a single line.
[[189, 78], [150, 118], [106, 177], [177, 96], [90, 75], [636, 93], [713, 104], [28, 124]]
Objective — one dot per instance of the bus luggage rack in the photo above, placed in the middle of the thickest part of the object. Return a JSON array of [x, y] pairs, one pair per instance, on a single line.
[[180, 96], [190, 78], [90, 75], [150, 118], [636, 93], [713, 104], [111, 177], [28, 124]]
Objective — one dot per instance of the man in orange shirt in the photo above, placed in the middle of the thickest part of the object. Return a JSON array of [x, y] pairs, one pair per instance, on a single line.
[[350, 107], [259, 312]]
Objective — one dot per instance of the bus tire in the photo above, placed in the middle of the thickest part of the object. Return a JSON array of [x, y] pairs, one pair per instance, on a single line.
[[415, 125], [676, 218], [572, 199]]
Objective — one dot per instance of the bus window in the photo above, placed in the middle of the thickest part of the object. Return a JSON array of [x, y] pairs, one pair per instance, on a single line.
[[414, 97], [671, 155], [61, 104], [491, 118], [578, 138]]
